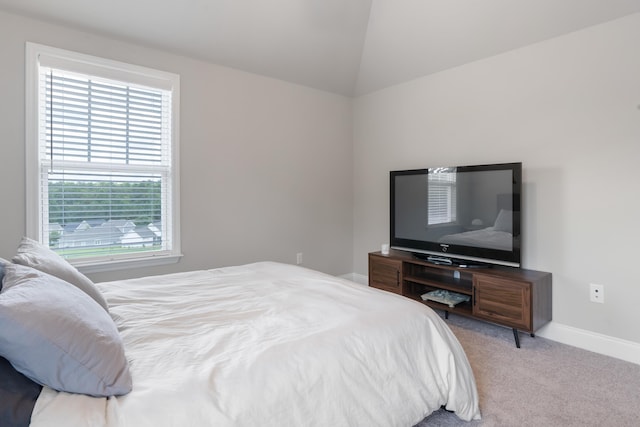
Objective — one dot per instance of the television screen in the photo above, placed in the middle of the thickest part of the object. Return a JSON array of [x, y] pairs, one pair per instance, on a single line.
[[458, 213]]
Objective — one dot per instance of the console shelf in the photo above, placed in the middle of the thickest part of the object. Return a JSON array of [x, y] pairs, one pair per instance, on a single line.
[[514, 297]]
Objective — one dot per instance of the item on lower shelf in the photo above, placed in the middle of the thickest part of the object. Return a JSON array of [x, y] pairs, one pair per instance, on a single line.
[[445, 297]]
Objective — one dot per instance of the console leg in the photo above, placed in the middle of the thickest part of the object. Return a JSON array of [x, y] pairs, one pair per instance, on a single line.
[[533, 335], [446, 314], [517, 338]]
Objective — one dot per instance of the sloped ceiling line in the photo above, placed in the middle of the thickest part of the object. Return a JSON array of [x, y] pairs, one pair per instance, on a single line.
[[349, 47]]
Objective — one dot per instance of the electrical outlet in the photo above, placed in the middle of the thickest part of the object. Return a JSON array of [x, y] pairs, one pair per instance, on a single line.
[[299, 258], [597, 293]]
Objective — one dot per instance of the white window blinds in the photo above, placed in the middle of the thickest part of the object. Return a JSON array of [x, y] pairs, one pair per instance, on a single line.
[[442, 195], [105, 150]]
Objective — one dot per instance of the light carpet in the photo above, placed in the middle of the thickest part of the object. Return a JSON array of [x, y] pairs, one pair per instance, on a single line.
[[543, 383]]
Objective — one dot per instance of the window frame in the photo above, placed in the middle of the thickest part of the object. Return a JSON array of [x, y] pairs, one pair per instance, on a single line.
[[110, 69]]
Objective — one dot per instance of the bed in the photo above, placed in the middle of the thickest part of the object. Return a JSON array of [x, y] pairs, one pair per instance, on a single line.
[[499, 236], [487, 237], [266, 344]]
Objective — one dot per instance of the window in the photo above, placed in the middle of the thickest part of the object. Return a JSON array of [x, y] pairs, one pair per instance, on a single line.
[[102, 159], [442, 196]]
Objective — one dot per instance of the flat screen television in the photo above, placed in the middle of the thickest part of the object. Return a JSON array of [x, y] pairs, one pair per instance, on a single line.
[[460, 215]]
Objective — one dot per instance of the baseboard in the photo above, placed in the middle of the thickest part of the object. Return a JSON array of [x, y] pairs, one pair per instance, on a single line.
[[592, 341], [581, 338], [358, 278]]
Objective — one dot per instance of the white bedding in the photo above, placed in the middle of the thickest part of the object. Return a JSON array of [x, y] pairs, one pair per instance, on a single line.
[[485, 238], [271, 344]]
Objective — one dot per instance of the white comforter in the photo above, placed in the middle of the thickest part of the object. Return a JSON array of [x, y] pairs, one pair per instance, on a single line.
[[270, 344], [484, 238]]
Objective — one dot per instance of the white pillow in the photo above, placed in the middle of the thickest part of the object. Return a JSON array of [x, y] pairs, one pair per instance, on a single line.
[[55, 334], [504, 221], [33, 254]]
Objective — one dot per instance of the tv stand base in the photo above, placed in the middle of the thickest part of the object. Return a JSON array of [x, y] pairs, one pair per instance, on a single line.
[[517, 298]]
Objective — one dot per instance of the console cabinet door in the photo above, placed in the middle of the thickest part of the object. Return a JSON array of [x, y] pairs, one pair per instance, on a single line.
[[502, 301], [384, 273]]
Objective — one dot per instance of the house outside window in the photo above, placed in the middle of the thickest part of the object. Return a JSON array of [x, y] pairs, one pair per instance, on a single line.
[[102, 159]]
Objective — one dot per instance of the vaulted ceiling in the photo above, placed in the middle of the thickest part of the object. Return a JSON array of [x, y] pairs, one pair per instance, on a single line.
[[350, 47]]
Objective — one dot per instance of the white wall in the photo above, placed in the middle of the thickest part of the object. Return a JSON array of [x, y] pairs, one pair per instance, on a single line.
[[568, 108], [265, 165]]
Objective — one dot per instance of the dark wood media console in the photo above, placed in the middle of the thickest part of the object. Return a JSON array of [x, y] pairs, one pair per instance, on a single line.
[[514, 297]]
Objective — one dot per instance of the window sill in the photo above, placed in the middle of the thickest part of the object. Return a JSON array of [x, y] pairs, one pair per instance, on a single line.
[[123, 264]]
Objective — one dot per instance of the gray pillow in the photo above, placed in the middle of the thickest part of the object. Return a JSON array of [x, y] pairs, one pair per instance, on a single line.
[[35, 255], [18, 395], [58, 336], [3, 262]]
